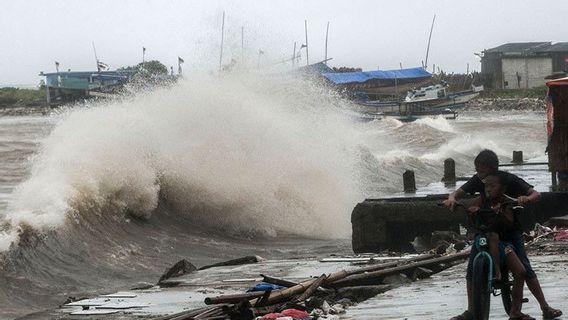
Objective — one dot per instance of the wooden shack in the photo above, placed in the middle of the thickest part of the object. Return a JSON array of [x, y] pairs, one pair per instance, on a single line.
[[557, 129]]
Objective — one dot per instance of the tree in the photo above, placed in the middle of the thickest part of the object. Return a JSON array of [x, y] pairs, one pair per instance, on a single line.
[[148, 69]]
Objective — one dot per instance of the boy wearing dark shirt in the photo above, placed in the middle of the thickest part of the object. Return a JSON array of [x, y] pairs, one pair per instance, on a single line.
[[487, 163]]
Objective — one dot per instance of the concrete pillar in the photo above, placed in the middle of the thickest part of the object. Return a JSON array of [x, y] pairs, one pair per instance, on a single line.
[[517, 157], [449, 171], [408, 180]]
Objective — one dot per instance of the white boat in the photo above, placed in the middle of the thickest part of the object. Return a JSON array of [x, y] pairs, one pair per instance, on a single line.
[[437, 97]]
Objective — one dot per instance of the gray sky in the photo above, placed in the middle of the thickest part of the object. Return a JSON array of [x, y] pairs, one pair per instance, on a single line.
[[363, 33]]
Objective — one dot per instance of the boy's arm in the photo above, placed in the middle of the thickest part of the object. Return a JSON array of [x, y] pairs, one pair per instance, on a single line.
[[454, 197], [531, 196]]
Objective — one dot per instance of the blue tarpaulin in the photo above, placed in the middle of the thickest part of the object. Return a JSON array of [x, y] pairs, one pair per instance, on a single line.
[[351, 77]]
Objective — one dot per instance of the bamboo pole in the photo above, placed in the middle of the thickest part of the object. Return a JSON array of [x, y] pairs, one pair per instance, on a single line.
[[391, 264], [233, 298], [312, 288], [278, 281], [371, 276]]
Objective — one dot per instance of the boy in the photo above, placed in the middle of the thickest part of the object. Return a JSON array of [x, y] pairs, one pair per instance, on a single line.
[[486, 163], [494, 210]]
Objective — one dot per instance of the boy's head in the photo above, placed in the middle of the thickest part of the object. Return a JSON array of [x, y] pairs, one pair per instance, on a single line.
[[494, 186], [486, 163]]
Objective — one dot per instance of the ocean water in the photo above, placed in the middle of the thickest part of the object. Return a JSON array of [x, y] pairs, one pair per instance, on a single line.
[[99, 196]]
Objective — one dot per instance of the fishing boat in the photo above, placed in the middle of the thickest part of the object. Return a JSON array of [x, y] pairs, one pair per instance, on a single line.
[[430, 101], [437, 97]]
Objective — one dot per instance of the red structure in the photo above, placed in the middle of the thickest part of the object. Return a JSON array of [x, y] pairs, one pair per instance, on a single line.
[[557, 129]]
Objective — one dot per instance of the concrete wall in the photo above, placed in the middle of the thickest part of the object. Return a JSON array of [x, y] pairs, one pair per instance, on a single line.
[[532, 71], [391, 224]]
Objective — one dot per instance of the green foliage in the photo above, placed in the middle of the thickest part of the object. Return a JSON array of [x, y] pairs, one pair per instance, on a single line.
[[11, 96], [147, 69]]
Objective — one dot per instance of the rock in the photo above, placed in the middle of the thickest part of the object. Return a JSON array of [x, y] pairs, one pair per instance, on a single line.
[[180, 268]]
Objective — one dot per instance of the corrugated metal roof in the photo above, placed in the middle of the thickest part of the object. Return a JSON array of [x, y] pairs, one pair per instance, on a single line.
[[557, 47], [520, 47]]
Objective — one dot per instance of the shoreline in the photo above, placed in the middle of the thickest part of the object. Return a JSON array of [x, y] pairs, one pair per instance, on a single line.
[[479, 104]]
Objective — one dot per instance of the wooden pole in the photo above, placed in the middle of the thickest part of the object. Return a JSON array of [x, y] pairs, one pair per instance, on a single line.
[[326, 37], [449, 171], [222, 40], [242, 45], [428, 48], [307, 54], [409, 181], [517, 157]]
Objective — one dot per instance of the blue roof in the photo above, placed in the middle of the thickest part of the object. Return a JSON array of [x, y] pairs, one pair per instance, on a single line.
[[350, 77]]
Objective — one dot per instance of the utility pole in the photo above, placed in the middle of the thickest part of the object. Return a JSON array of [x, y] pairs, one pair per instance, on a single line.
[[243, 46], [294, 54], [222, 39]]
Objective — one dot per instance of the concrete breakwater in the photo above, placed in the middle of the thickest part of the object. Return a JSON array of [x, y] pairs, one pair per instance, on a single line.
[[392, 223]]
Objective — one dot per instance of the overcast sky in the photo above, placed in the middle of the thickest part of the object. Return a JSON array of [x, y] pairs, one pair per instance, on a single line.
[[362, 33]]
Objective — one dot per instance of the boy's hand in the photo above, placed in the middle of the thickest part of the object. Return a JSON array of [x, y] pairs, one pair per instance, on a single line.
[[523, 200], [450, 203]]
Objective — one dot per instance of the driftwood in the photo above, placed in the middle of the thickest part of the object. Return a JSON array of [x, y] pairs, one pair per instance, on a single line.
[[272, 301], [285, 294], [372, 277], [233, 298], [234, 262], [312, 288]]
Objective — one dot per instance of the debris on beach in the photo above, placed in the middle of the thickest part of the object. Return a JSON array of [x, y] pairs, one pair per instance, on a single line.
[[322, 297], [549, 237]]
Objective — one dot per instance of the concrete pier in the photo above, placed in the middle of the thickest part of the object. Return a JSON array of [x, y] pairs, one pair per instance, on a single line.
[[392, 223]]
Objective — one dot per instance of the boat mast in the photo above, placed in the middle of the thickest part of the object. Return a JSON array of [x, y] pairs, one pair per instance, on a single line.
[[428, 48], [326, 36], [96, 58]]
